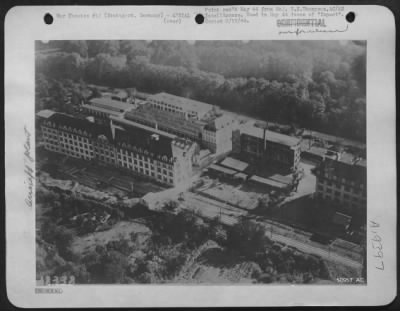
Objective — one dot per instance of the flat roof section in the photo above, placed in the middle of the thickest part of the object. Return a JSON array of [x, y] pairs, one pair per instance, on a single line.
[[251, 130], [108, 103], [185, 103], [234, 164], [124, 121], [102, 110], [241, 176], [267, 181], [47, 113], [167, 119], [222, 169], [282, 179]]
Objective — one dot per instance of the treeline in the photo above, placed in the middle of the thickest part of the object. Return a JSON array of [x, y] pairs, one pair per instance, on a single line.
[[314, 84]]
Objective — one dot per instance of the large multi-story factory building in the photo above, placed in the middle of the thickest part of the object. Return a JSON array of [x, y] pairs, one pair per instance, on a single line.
[[259, 145], [217, 134], [103, 107], [157, 155], [342, 178], [167, 121], [187, 108]]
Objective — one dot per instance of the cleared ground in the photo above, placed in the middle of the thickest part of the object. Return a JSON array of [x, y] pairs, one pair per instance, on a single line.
[[121, 230]]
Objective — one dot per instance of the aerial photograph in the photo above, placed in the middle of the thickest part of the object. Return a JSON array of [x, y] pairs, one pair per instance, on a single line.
[[200, 162]]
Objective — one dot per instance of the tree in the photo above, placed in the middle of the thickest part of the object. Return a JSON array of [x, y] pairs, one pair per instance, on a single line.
[[58, 235], [96, 47], [247, 238], [313, 85], [77, 46], [359, 70]]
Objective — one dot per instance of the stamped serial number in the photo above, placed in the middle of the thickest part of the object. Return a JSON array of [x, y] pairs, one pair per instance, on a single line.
[[359, 280]]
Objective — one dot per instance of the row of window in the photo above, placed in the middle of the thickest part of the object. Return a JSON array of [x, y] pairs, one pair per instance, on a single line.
[[162, 175], [342, 180], [338, 193], [126, 155], [146, 166], [158, 176], [162, 104], [47, 130], [138, 163], [345, 187]]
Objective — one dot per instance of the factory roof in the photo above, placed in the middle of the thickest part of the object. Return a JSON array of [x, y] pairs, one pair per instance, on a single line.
[[185, 103], [251, 130], [140, 138], [219, 122], [45, 113], [126, 122], [333, 139], [70, 123], [234, 164], [111, 104], [221, 169], [149, 115], [134, 127], [267, 181], [102, 110], [343, 168]]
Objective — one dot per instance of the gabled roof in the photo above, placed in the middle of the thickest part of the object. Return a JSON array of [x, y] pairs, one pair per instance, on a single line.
[[62, 120], [140, 138]]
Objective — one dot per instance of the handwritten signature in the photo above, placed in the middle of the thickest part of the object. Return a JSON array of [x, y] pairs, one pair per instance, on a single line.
[[28, 167], [300, 31]]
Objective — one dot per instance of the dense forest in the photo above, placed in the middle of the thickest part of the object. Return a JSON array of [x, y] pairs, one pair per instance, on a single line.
[[319, 85]]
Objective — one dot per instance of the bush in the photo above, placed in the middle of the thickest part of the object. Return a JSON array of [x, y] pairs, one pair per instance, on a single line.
[[247, 238], [60, 236], [266, 278]]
